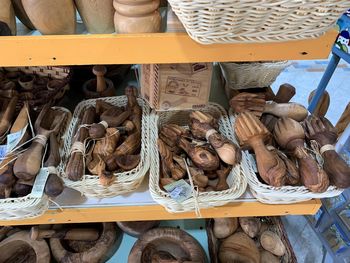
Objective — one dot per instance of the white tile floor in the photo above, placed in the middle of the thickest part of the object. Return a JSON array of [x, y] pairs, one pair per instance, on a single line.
[[305, 76]]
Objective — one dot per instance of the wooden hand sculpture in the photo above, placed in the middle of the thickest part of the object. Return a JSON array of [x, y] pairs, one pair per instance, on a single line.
[[323, 132], [290, 135], [250, 131], [227, 150], [256, 104]]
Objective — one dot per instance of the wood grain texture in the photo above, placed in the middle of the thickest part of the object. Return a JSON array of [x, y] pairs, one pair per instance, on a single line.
[[97, 15], [7, 15], [54, 17], [21, 14]]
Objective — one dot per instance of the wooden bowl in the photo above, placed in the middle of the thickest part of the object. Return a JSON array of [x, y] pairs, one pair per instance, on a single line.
[[20, 248], [89, 89], [137, 228]]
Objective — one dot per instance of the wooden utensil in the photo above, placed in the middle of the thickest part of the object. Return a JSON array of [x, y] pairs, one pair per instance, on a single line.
[[99, 87], [175, 243], [21, 14], [344, 120], [75, 168], [28, 164], [323, 104], [250, 131], [290, 135], [83, 234], [323, 132], [20, 248], [255, 103], [227, 150], [137, 228], [97, 15], [54, 17], [7, 15], [7, 112]]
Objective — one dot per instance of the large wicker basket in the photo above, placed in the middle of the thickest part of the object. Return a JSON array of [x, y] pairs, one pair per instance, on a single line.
[[30, 206], [125, 182], [251, 75], [230, 21], [279, 195], [236, 180]]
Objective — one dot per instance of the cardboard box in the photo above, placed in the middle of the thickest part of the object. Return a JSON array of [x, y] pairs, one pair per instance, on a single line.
[[176, 86]]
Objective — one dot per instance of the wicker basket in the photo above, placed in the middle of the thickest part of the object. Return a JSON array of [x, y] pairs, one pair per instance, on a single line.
[[251, 75], [230, 21], [29, 206], [279, 195], [44, 96], [236, 179], [125, 182]]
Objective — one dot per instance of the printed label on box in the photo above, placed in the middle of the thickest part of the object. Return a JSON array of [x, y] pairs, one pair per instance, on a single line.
[[182, 87], [179, 190]]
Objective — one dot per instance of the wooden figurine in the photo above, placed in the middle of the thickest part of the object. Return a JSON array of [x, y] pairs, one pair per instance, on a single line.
[[97, 15], [54, 17], [136, 16]]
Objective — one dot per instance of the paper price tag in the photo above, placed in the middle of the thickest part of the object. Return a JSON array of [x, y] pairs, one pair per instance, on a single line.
[[179, 190], [3, 151], [13, 139], [40, 182]]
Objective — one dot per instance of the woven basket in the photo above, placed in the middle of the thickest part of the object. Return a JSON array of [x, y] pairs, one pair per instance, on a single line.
[[230, 21], [236, 180], [252, 75], [279, 195], [44, 96], [29, 206], [125, 182]]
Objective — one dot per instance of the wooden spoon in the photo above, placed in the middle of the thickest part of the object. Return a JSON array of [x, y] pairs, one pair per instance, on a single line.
[[323, 104], [250, 131]]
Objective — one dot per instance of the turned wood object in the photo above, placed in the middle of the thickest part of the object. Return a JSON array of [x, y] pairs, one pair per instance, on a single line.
[[344, 120], [83, 234], [137, 228], [290, 135], [140, 16], [99, 87], [7, 15], [223, 173], [256, 104], [28, 163], [92, 254], [250, 131], [8, 109], [323, 104], [323, 132], [21, 14], [20, 248], [227, 150], [171, 243], [97, 15], [54, 17], [75, 168]]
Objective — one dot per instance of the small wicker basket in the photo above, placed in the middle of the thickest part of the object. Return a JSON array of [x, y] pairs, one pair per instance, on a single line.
[[236, 180], [252, 75], [29, 206], [279, 195], [125, 182], [231, 21]]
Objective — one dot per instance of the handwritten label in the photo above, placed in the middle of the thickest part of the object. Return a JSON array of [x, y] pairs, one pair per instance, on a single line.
[[13, 139], [3, 151], [179, 190], [39, 183]]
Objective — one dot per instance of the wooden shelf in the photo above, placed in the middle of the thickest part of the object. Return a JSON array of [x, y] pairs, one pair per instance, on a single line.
[[157, 212], [149, 48]]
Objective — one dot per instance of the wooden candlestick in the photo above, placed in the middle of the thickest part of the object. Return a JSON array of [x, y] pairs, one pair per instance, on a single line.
[[250, 131]]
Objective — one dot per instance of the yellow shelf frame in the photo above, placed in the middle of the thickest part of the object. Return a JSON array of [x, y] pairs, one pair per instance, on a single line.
[[149, 48], [157, 212]]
